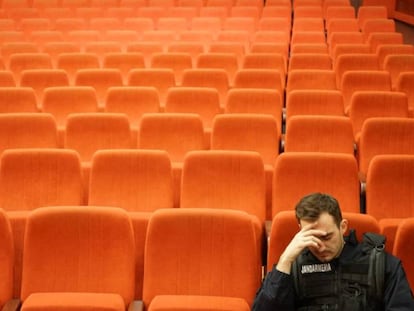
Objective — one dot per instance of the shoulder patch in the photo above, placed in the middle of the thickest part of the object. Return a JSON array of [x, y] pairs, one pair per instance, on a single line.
[[315, 268]]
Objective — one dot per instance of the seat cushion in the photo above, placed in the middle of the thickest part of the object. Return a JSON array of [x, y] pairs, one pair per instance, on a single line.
[[73, 301], [197, 303]]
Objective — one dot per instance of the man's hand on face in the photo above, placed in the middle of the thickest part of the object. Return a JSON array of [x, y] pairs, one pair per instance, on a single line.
[[308, 236]]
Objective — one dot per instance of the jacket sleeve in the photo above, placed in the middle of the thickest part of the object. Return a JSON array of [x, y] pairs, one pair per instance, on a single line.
[[276, 293], [398, 295]]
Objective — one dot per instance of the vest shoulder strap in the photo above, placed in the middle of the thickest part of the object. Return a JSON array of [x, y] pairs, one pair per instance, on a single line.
[[375, 243]]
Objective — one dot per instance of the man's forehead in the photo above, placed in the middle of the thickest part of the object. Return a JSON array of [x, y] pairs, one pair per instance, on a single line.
[[324, 221]]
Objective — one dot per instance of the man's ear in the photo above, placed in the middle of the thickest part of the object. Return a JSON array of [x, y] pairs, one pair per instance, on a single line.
[[343, 226]]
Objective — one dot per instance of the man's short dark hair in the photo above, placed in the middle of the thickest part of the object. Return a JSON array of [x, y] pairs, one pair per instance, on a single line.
[[311, 206]]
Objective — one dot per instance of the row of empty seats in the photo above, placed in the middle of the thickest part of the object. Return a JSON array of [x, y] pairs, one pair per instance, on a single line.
[[108, 258], [145, 180]]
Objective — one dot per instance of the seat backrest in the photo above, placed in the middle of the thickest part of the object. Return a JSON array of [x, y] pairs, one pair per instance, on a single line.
[[72, 62], [363, 80], [356, 61], [308, 37], [62, 101], [385, 136], [310, 61], [224, 179], [260, 78], [249, 132], [350, 48], [383, 50], [7, 79], [285, 226], [178, 62], [136, 180], [311, 79], [305, 48], [345, 37], [271, 36], [100, 79], [404, 84], [341, 25], [265, 61], [378, 38], [102, 47], [134, 101], [245, 100], [24, 61], [17, 99], [299, 173], [10, 48], [210, 242], [90, 249], [89, 132], [6, 258], [396, 64], [390, 178], [208, 77], [123, 61], [160, 78], [368, 104], [403, 245], [40, 79], [315, 133], [176, 133], [236, 48], [215, 60], [27, 130], [366, 12], [200, 100], [377, 25], [31, 178], [314, 102]]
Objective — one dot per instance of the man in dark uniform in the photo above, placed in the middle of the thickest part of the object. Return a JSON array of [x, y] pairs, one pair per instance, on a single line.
[[321, 269]]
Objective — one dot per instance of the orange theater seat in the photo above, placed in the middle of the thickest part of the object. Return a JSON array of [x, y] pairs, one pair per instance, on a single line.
[[390, 177], [90, 249], [403, 245], [7, 259], [210, 240], [319, 134], [299, 173]]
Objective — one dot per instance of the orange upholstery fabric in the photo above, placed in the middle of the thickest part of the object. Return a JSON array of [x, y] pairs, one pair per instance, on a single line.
[[299, 173], [88, 132], [390, 180], [224, 180], [31, 178], [6, 259], [319, 134], [136, 180], [385, 136], [403, 246], [210, 255], [314, 102], [199, 303], [368, 104], [27, 130], [17, 99], [73, 249], [250, 132], [363, 80], [245, 100]]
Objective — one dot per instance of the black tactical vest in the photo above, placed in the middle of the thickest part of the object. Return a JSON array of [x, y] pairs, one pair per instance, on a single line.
[[345, 285]]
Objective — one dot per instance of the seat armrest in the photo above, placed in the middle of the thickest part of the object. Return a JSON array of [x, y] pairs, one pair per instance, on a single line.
[[136, 305], [12, 305]]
